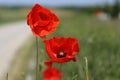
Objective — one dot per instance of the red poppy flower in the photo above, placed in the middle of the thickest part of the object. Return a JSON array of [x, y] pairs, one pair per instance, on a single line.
[[61, 50], [42, 21], [52, 74]]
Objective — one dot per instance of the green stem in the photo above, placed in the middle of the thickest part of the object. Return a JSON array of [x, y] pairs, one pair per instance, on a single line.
[[86, 69], [37, 55], [60, 67]]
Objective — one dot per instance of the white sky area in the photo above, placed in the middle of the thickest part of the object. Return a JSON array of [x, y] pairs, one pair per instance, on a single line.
[[55, 2]]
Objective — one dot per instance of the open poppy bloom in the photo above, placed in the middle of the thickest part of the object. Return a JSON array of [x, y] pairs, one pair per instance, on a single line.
[[61, 50], [52, 74], [42, 21]]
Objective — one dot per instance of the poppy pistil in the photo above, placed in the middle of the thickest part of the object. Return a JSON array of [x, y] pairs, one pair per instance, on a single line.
[[61, 54]]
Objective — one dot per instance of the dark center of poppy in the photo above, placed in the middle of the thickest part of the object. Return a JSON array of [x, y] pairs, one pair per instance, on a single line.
[[61, 54]]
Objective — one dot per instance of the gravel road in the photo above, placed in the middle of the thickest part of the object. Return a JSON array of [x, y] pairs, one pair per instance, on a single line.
[[12, 36]]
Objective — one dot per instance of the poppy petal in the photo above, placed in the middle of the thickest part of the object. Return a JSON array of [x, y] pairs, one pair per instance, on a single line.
[[42, 21]]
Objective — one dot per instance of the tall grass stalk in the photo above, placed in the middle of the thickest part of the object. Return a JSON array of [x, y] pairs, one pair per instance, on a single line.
[[7, 76], [86, 69]]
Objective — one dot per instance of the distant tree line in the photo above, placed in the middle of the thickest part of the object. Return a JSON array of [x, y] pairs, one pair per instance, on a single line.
[[116, 9], [113, 10]]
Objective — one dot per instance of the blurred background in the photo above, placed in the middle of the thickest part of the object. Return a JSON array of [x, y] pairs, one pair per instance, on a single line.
[[95, 23]]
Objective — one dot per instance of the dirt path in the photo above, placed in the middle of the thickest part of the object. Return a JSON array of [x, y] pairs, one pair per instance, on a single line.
[[12, 36]]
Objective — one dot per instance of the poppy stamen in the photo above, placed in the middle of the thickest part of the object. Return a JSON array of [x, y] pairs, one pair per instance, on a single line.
[[61, 54]]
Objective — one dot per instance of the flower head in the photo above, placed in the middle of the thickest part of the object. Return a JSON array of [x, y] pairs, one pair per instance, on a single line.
[[61, 50], [42, 21], [52, 74]]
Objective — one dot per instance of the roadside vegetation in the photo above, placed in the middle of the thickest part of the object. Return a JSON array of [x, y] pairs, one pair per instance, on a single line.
[[12, 14]]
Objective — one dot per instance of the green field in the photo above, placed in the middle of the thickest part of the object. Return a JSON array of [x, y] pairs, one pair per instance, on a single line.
[[12, 14], [99, 42]]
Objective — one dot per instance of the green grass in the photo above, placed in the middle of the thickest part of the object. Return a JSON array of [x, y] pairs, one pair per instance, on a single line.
[[99, 41], [12, 14]]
